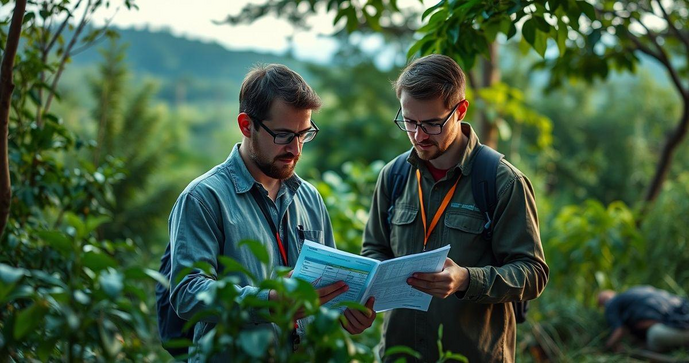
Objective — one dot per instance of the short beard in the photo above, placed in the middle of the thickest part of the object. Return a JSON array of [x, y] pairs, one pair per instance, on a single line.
[[431, 154], [270, 167]]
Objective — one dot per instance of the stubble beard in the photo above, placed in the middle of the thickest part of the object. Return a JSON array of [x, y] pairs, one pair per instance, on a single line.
[[270, 167], [433, 153]]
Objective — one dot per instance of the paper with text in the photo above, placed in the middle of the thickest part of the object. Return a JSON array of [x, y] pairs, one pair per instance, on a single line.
[[386, 281]]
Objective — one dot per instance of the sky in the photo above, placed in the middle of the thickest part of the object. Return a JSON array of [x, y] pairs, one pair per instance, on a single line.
[[195, 20]]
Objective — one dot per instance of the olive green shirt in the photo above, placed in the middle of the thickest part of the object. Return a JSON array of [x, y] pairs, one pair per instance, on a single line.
[[478, 323]]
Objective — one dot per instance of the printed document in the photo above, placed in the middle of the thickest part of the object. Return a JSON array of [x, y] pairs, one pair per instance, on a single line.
[[386, 280]]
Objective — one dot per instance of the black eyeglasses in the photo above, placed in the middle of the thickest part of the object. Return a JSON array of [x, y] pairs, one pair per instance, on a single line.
[[284, 138], [431, 128]]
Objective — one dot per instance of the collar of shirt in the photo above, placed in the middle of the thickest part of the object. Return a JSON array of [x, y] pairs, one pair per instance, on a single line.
[[466, 161], [243, 180]]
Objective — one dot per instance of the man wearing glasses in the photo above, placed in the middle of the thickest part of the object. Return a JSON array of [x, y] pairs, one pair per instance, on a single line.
[[482, 275], [255, 195]]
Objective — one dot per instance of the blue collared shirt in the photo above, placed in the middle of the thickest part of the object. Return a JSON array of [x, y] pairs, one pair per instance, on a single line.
[[216, 211]]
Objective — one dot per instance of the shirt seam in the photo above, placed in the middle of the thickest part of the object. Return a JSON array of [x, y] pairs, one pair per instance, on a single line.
[[205, 208]]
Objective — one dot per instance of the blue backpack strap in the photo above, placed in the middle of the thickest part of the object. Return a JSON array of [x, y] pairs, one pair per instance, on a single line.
[[397, 179], [484, 173]]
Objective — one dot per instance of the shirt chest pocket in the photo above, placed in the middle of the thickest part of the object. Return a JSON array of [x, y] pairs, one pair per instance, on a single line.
[[403, 228], [308, 235], [463, 231]]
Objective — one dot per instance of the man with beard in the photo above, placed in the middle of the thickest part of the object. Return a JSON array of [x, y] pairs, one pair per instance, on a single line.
[[482, 275], [255, 195]]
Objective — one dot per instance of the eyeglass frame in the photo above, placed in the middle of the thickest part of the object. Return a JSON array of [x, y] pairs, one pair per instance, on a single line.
[[420, 123], [293, 134]]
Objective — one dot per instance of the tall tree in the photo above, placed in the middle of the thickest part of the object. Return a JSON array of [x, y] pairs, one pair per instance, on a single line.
[[130, 130], [6, 89]]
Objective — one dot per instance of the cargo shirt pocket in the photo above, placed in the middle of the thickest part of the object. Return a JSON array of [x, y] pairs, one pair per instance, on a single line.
[[310, 235], [464, 233], [402, 229]]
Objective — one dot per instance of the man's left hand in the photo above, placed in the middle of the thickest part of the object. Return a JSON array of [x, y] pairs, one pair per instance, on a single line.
[[450, 279], [358, 321]]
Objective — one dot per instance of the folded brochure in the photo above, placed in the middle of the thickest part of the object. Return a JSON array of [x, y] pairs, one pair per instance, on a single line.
[[385, 280]]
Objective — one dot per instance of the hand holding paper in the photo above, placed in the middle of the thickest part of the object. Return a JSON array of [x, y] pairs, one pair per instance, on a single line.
[[366, 277], [442, 284]]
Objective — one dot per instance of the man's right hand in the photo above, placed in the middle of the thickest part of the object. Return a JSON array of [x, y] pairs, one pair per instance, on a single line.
[[325, 294]]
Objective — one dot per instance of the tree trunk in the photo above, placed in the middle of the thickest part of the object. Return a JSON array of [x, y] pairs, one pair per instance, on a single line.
[[490, 75], [6, 88], [671, 143]]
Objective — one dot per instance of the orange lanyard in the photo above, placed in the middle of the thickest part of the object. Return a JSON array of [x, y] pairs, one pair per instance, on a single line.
[[427, 230]]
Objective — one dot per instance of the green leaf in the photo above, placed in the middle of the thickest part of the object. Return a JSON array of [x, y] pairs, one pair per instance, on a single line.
[[438, 18], [82, 297], [255, 342], [541, 24], [417, 46], [561, 37], [481, 45], [340, 13], [231, 265], [373, 21], [112, 283], [178, 343], [94, 222], [29, 319], [29, 16], [46, 349], [76, 222], [98, 261], [160, 278], [588, 9], [455, 356], [432, 9], [529, 31], [258, 249], [593, 37], [58, 241], [554, 4], [9, 274], [537, 39], [402, 349], [491, 29], [108, 330]]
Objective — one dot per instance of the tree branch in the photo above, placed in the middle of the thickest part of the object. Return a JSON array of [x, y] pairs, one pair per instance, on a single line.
[[672, 26], [662, 57], [45, 51], [65, 56], [96, 40], [6, 89], [61, 28]]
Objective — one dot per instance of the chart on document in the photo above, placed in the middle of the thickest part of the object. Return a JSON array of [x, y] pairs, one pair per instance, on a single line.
[[386, 281], [322, 273]]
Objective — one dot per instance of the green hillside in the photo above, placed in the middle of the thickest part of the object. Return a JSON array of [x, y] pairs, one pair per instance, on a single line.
[[188, 70]]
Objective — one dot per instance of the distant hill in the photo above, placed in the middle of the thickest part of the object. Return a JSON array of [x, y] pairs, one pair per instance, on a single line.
[[162, 54], [188, 70]]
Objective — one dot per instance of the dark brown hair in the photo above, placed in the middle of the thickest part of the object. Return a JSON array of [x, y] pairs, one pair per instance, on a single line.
[[432, 76], [264, 83]]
